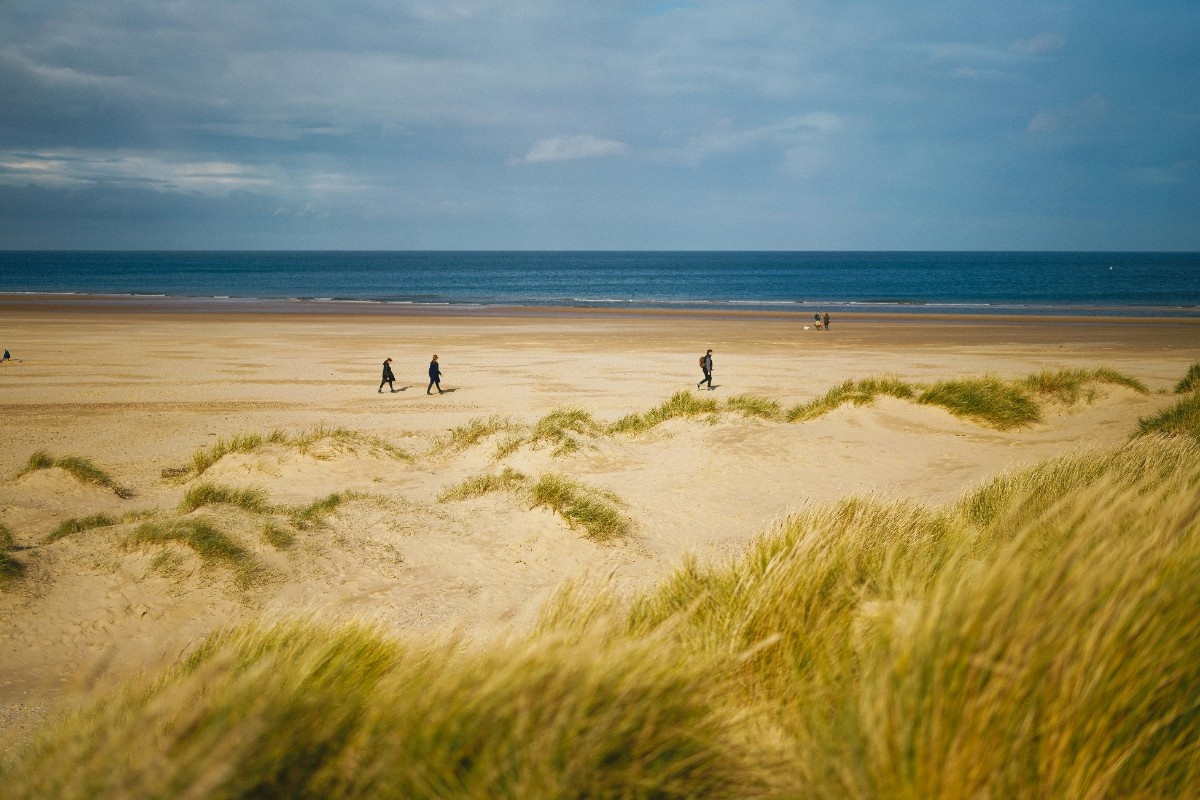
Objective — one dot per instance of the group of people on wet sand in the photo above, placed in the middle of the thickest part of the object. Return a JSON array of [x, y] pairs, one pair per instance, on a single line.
[[435, 376]]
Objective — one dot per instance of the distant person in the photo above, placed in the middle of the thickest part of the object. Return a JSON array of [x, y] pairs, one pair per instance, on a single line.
[[435, 376], [707, 367], [388, 377], [817, 320], [826, 320], [6, 356]]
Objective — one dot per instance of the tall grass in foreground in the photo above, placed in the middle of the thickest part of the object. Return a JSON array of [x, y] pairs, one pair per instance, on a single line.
[[1038, 638], [302, 711], [1182, 419]]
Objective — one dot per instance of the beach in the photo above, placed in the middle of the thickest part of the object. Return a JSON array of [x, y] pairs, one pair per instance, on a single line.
[[138, 386]]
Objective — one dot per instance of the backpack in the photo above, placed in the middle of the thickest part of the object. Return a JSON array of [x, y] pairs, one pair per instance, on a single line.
[[702, 363]]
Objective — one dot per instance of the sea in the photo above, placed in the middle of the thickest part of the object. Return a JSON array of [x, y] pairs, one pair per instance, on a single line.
[[1009, 283]]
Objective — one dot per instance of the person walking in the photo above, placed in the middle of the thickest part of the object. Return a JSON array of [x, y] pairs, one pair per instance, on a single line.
[[826, 320], [707, 367], [435, 376], [388, 377]]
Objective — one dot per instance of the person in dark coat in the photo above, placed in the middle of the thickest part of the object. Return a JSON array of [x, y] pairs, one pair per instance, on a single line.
[[388, 377], [435, 376], [825, 319], [706, 366]]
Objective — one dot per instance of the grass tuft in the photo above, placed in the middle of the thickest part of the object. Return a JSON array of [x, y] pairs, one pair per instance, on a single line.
[[563, 428], [78, 525], [749, 405], [313, 514], [582, 507], [82, 469], [507, 481], [200, 535], [11, 569], [860, 393], [277, 537], [207, 494], [1190, 382], [682, 404], [1181, 419], [1067, 386], [987, 400], [474, 432]]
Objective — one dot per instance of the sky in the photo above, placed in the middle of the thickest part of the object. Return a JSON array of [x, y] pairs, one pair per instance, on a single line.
[[600, 124]]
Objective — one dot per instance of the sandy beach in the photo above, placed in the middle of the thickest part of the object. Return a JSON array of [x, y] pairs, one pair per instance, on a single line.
[[138, 387]]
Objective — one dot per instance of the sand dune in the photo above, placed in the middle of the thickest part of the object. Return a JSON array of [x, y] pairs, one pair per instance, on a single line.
[[140, 392]]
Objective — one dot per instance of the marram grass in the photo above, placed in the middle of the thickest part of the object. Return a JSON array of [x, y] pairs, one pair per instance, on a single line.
[[11, 568], [82, 469], [306, 442], [75, 525], [1045, 643], [1189, 382], [252, 499], [595, 512], [303, 711], [206, 540]]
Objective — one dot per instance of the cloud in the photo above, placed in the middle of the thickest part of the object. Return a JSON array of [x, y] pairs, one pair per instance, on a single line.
[[793, 134], [571, 148], [1084, 114], [1164, 176], [1039, 45]]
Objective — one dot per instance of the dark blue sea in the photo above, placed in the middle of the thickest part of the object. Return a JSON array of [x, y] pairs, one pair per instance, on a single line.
[[1137, 284]]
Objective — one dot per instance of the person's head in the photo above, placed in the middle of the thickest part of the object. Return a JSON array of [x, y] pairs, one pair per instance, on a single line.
[[435, 356], [387, 361], [709, 353]]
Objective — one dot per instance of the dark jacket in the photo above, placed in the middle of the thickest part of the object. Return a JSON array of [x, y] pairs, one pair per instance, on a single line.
[[435, 372], [387, 372]]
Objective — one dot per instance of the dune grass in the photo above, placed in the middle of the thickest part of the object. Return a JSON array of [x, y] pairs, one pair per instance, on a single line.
[[11, 568], [681, 405], [859, 393], [76, 525], [592, 510], [278, 537], [1068, 386], [987, 400], [1189, 382], [595, 512], [253, 500], [1182, 419], [314, 514], [206, 540], [82, 469], [508, 480], [755, 406], [473, 432], [303, 711], [1038, 638], [305, 442], [563, 429]]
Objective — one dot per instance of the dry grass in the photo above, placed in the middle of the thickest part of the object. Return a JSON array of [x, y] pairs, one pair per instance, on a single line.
[[594, 511], [1040, 638], [201, 536], [75, 525], [1189, 382], [253, 500], [11, 568], [82, 469], [316, 442], [681, 405], [509, 480]]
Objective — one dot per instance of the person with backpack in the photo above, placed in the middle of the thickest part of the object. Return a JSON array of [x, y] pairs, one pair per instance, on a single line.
[[707, 367]]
